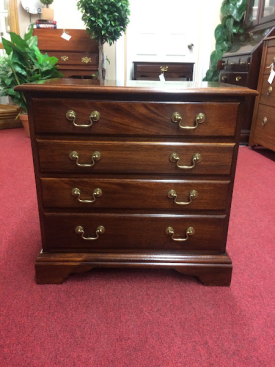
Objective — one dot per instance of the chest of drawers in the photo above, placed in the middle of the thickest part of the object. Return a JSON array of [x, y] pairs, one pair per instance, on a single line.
[[77, 57], [134, 176], [172, 71], [263, 124]]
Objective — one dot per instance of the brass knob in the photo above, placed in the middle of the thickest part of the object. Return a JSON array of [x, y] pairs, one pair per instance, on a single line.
[[176, 117], [269, 91], [163, 68], [238, 78], [264, 121], [94, 116], [224, 78]]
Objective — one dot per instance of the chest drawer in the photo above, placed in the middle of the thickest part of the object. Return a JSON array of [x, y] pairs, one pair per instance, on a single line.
[[265, 123], [238, 79], [134, 194], [267, 94], [134, 118], [135, 157], [133, 232], [75, 58]]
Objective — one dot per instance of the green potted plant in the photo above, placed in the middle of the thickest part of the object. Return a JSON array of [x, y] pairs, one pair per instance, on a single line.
[[24, 63], [47, 13], [106, 21]]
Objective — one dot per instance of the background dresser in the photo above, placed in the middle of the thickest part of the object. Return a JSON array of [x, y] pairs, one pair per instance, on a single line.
[[134, 175], [263, 125], [171, 70], [77, 57]]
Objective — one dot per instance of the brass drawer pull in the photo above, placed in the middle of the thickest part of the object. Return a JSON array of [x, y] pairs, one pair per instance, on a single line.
[[86, 59], [238, 78], [71, 116], [96, 194], [189, 232], [64, 58], [200, 118], [80, 230], [224, 78], [243, 63], [264, 121], [193, 194], [96, 156], [269, 91], [163, 68], [174, 157]]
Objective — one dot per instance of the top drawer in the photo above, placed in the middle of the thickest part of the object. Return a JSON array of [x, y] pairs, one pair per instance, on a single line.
[[134, 118], [75, 58]]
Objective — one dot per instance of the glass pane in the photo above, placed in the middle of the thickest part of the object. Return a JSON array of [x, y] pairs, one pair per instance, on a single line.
[[269, 8], [255, 8]]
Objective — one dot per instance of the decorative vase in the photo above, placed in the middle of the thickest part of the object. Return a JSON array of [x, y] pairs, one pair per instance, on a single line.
[[47, 14], [25, 122]]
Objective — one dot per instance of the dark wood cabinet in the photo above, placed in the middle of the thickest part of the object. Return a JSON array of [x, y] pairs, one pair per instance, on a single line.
[[134, 176], [263, 124], [77, 57], [241, 64], [180, 71]]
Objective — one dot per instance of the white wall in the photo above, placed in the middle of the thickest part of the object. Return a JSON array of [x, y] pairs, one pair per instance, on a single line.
[[206, 17]]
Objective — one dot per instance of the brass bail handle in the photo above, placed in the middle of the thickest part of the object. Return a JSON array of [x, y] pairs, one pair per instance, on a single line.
[[199, 119], [174, 157], [71, 116], [96, 194], [189, 232], [163, 69], [80, 230], [74, 156], [193, 194]]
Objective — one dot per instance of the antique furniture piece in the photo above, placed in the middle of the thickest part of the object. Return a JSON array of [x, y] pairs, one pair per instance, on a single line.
[[134, 175], [77, 57], [170, 70], [241, 64], [263, 124]]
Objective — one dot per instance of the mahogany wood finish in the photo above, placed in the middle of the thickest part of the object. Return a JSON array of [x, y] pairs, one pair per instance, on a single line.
[[77, 57], [263, 125], [174, 70], [135, 137]]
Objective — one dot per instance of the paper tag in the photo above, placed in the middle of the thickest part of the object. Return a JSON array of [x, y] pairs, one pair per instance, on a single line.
[[271, 76], [161, 78], [66, 36]]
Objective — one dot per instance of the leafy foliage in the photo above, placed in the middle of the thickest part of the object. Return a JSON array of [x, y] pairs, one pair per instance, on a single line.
[[46, 2], [105, 20], [231, 26], [24, 63]]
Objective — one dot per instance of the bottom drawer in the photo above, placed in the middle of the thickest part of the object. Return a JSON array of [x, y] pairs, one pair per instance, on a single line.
[[265, 124], [136, 232]]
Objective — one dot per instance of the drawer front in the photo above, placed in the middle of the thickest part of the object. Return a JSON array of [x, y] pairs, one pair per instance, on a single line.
[[135, 157], [270, 55], [134, 194], [133, 232], [76, 58], [265, 125], [232, 63], [168, 76], [164, 67], [267, 95], [126, 118], [224, 77]]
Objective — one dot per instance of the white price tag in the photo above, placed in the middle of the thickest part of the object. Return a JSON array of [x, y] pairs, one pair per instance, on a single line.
[[66, 36], [161, 78]]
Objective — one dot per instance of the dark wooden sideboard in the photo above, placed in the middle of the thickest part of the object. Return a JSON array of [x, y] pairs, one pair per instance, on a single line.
[[77, 57], [145, 70], [134, 176]]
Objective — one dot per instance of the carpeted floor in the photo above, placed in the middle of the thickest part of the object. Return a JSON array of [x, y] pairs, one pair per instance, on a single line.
[[131, 317]]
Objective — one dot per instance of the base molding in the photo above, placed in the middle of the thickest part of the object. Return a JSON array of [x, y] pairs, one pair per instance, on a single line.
[[212, 270]]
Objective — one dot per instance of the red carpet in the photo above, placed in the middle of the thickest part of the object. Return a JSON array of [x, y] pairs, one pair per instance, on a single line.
[[129, 318]]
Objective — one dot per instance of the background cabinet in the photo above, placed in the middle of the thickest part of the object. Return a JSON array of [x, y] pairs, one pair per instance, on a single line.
[[263, 125], [241, 64], [77, 57]]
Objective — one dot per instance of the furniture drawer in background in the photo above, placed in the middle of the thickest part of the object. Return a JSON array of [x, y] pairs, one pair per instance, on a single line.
[[238, 78], [133, 232], [80, 58], [123, 118], [134, 194], [135, 157], [171, 71], [265, 124]]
